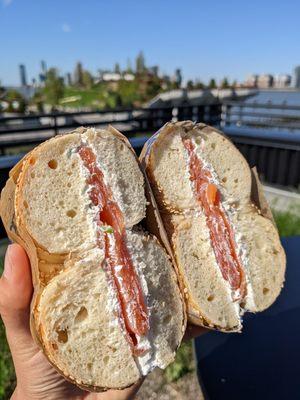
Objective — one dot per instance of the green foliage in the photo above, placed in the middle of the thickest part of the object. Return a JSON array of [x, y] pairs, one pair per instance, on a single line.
[[117, 68], [190, 85], [16, 101], [140, 63], [225, 83], [288, 222], [7, 374], [78, 75], [183, 363], [38, 101], [87, 80], [54, 87], [199, 85], [100, 96], [212, 84]]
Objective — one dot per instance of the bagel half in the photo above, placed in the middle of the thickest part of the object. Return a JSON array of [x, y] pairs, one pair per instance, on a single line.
[[107, 308], [221, 230]]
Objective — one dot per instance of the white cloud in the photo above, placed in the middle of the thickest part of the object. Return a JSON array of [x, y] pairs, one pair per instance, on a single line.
[[65, 27], [6, 3]]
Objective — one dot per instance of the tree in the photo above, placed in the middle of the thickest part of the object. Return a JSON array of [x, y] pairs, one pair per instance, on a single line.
[[87, 79], [16, 102], [190, 85], [78, 74], [54, 87], [129, 67], [212, 84], [199, 85], [140, 63], [38, 101], [234, 84], [225, 83], [117, 68]]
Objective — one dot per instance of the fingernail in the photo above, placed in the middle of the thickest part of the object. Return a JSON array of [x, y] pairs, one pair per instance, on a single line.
[[7, 273]]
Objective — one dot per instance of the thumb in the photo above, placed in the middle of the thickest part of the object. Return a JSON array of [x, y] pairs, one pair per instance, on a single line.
[[15, 297]]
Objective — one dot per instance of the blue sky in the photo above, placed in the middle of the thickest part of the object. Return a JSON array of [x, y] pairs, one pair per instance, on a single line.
[[204, 38]]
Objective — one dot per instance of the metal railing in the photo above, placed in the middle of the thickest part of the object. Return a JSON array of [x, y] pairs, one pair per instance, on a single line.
[[276, 153], [257, 115], [268, 135], [33, 129]]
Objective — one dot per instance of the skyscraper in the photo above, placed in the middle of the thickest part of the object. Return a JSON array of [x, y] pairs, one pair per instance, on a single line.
[[297, 77], [23, 78], [43, 67]]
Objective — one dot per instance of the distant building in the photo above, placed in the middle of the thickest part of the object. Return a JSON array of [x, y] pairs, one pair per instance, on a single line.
[[23, 78], [297, 77], [111, 77], [128, 77], [153, 70], [44, 67], [282, 81], [69, 79], [265, 81], [178, 77], [251, 81], [115, 77], [42, 75]]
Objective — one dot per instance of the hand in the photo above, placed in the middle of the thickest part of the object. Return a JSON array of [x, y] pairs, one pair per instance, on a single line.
[[36, 378]]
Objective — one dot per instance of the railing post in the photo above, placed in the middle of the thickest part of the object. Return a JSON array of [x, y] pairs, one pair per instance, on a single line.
[[55, 125], [175, 114], [206, 114], [240, 114], [225, 115]]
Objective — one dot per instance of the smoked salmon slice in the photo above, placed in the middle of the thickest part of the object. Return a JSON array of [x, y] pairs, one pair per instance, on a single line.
[[220, 229], [112, 238]]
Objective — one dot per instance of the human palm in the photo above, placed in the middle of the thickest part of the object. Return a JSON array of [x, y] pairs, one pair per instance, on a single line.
[[36, 378]]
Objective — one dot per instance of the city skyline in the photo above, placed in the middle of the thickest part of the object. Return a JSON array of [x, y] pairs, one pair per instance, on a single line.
[[252, 80], [204, 40]]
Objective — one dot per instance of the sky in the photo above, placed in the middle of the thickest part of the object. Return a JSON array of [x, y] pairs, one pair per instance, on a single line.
[[206, 39]]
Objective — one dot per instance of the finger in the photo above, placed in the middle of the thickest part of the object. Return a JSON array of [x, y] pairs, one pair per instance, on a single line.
[[15, 297], [193, 331]]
